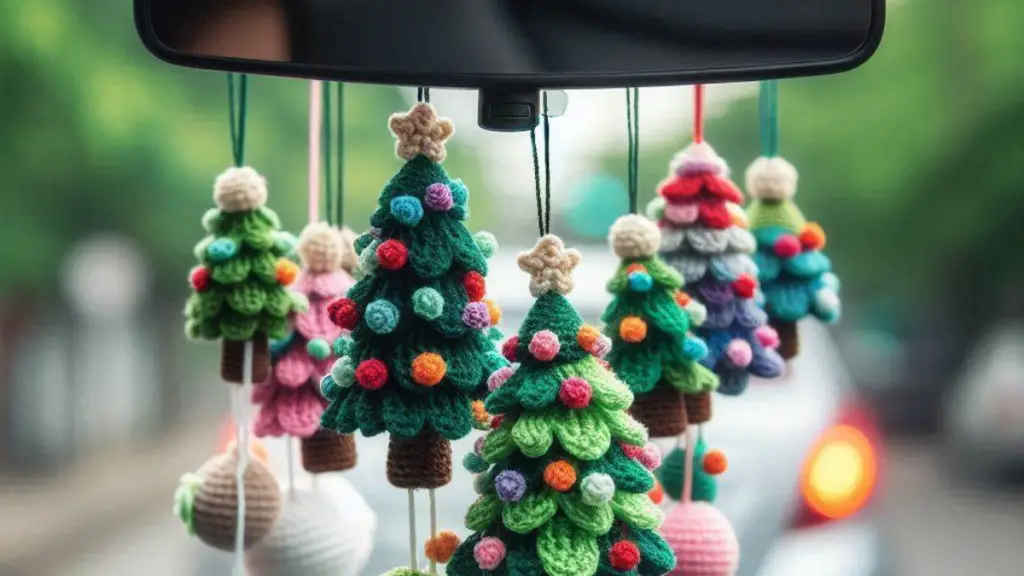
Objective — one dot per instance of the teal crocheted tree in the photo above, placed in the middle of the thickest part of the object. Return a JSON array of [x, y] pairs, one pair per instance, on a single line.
[[240, 288], [420, 349], [796, 277], [648, 321], [707, 466], [562, 489]]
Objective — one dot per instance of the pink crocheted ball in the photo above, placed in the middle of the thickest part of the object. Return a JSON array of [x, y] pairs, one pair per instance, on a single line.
[[575, 393], [489, 553], [739, 352], [499, 377], [602, 346], [650, 457], [544, 345], [767, 336], [787, 246], [703, 540]]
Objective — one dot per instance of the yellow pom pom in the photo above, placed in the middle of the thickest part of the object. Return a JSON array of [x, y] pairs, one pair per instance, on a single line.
[[441, 547], [428, 369], [286, 271], [633, 329], [494, 310]]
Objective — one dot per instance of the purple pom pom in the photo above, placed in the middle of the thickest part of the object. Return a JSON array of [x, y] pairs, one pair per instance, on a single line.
[[439, 197], [476, 315], [510, 485]]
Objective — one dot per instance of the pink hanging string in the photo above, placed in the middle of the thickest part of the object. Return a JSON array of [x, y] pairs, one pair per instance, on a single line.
[[315, 124], [691, 446]]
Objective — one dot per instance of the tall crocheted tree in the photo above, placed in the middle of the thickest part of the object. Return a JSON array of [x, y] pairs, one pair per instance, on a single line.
[[240, 286], [562, 489], [795, 274], [707, 242], [419, 351], [649, 324]]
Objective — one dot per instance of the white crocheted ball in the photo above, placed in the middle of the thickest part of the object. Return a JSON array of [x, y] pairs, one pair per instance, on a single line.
[[239, 190], [771, 179]]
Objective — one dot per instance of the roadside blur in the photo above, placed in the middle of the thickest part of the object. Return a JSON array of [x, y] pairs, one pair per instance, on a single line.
[[910, 163]]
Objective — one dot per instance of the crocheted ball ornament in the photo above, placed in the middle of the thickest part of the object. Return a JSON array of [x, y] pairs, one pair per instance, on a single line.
[[703, 541]]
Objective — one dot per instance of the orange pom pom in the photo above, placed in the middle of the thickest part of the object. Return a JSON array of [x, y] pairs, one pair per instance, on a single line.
[[428, 369], [587, 336], [657, 494], [286, 271], [560, 475], [715, 462], [479, 412], [812, 237], [494, 310], [633, 329], [635, 268], [682, 299], [441, 547]]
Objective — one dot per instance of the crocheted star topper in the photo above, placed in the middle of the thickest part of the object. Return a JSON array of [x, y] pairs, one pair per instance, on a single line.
[[550, 265], [421, 131]]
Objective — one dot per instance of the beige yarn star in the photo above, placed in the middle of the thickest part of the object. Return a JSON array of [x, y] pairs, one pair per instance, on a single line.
[[421, 131], [550, 266]]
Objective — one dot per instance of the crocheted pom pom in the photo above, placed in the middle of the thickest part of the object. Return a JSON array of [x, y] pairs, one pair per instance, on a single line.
[[475, 315], [510, 485], [682, 298], [392, 255], [480, 415], [640, 281], [199, 279], [657, 494], [459, 192], [739, 353], [697, 311], [489, 553], [341, 345], [744, 286], [498, 378], [240, 189], [771, 179], [286, 271], [441, 547], [597, 489], [428, 369], [427, 303], [587, 337], [715, 462], [318, 348], [695, 348], [575, 393], [382, 316], [786, 246], [544, 345], [371, 374], [222, 249], [703, 540], [602, 347], [344, 313], [510, 348], [827, 301], [328, 388], [649, 457], [475, 286], [486, 243], [343, 372], [656, 208], [560, 476], [624, 556], [438, 197], [493, 311], [407, 210], [812, 237], [633, 329], [497, 420], [633, 236], [767, 336]]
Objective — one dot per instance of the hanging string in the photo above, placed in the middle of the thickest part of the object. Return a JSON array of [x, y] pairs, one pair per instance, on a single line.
[[691, 450], [238, 104], [633, 134], [698, 113], [240, 406], [339, 185], [326, 140], [543, 200], [315, 122], [768, 110], [423, 94], [333, 150]]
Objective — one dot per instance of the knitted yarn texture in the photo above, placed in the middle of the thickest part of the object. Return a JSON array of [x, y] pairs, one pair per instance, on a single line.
[[702, 539]]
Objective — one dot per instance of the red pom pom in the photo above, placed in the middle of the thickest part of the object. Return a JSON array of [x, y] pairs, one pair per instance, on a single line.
[[715, 214], [812, 237], [787, 246], [508, 349], [371, 374], [475, 285], [392, 255], [497, 420], [344, 313], [199, 278], [624, 556], [744, 286]]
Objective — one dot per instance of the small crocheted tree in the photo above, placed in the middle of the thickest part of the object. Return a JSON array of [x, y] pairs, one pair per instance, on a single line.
[[652, 350], [795, 274], [562, 488], [703, 236], [420, 349], [709, 464], [240, 286]]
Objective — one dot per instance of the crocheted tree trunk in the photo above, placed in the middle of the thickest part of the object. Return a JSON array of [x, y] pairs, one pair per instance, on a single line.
[[240, 286], [420, 350], [705, 240], [560, 491], [421, 462], [327, 451]]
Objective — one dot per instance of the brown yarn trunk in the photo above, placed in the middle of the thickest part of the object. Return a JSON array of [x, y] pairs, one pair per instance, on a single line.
[[327, 451], [661, 411], [232, 358], [421, 462], [698, 407], [789, 339]]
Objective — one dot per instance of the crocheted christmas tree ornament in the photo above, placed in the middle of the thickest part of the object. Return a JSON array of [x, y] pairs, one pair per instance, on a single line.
[[239, 288], [562, 480], [795, 274], [290, 402], [704, 237], [421, 349], [707, 466], [702, 539], [207, 502], [649, 324]]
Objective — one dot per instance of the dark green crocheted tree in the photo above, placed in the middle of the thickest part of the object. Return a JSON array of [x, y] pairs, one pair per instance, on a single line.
[[558, 493], [648, 322]]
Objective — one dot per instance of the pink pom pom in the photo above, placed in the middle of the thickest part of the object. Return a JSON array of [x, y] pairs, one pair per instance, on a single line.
[[489, 553], [739, 353], [601, 347], [544, 345], [478, 445], [787, 246], [499, 377], [767, 336], [575, 393], [631, 451], [650, 457], [681, 213]]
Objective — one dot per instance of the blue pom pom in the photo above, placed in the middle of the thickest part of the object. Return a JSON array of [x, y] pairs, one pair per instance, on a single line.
[[460, 194], [640, 281], [695, 348], [222, 249], [381, 316], [328, 389], [408, 210]]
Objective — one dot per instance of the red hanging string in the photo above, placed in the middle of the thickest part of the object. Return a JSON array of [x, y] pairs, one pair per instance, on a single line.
[[698, 113]]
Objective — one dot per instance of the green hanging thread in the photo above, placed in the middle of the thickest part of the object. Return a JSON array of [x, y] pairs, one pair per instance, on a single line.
[[333, 134], [238, 108], [768, 104], [633, 134], [543, 203]]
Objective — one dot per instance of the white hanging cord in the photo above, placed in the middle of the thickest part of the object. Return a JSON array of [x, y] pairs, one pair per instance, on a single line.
[[240, 406], [412, 531], [433, 527], [289, 443]]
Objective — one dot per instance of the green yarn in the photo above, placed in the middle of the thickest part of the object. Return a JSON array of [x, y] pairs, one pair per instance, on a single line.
[[427, 303], [566, 549], [487, 243], [406, 571], [785, 214], [671, 475], [318, 348], [184, 501], [474, 463]]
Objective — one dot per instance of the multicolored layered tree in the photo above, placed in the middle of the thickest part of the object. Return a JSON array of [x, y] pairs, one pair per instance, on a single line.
[[420, 348], [706, 241], [649, 323], [795, 274], [240, 288], [562, 488]]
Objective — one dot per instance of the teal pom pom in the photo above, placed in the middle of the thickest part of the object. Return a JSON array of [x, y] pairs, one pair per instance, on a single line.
[[695, 348], [222, 249], [427, 303], [382, 316], [408, 210], [318, 348], [486, 242], [343, 373], [342, 345], [460, 194], [474, 463], [640, 281], [328, 387]]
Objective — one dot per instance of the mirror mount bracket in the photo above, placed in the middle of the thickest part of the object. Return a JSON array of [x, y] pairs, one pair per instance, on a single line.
[[508, 109]]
